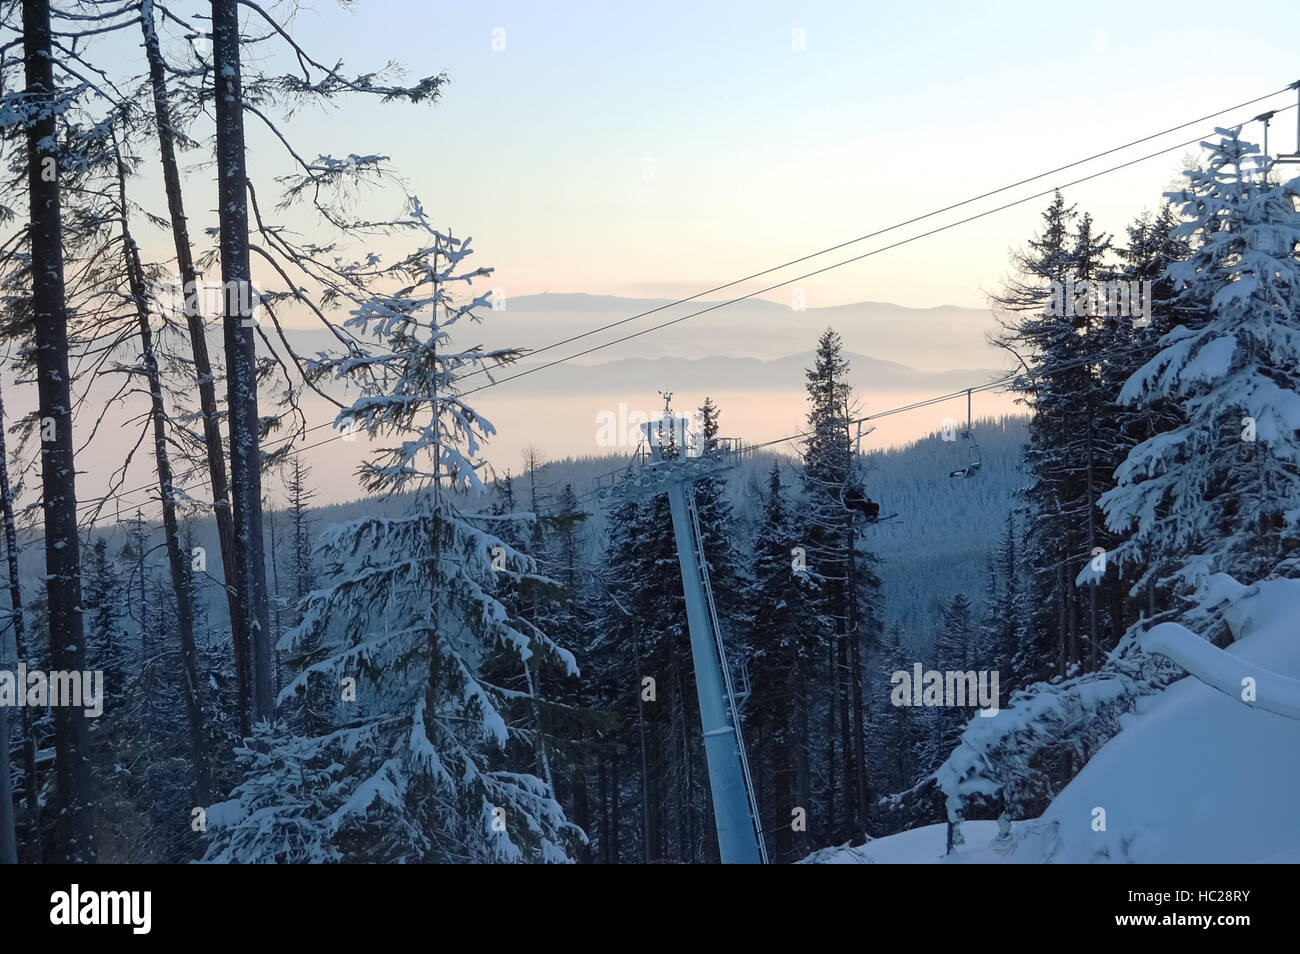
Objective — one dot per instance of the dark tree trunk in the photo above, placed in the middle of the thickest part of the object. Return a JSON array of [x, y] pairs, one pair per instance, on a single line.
[[602, 793], [581, 806], [1060, 620], [1072, 602], [799, 746], [241, 359], [648, 834], [831, 827], [275, 598], [8, 835], [1094, 630], [204, 378], [616, 798], [176, 558], [74, 797], [848, 802], [20, 644], [859, 738]]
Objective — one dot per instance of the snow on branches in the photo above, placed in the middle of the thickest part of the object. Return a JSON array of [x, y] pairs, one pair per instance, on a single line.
[[1219, 485], [429, 758]]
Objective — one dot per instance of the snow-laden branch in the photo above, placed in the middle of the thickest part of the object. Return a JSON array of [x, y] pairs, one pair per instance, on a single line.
[[1223, 671]]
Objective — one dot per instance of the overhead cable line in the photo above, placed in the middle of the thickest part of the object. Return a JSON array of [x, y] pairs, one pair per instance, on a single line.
[[93, 504], [899, 225], [831, 267]]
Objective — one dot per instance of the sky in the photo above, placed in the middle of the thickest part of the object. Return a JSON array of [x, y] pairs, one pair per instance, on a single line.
[[657, 149]]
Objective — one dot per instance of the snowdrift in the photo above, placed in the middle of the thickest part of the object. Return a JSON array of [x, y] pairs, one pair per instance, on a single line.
[[1204, 772]]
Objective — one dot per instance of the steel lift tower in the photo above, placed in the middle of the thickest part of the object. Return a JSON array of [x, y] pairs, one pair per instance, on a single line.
[[740, 837]]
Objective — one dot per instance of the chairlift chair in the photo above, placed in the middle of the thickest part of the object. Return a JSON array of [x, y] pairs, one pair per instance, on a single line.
[[852, 496], [972, 447]]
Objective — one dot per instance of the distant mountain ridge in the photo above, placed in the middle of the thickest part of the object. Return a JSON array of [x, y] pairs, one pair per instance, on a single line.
[[720, 374], [928, 339], [931, 339]]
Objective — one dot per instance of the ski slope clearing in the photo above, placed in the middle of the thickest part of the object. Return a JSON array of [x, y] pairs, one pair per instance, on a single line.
[[1199, 776]]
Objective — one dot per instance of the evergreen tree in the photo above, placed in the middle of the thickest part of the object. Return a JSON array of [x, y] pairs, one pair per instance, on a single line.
[[317, 702], [410, 611], [104, 602], [954, 651], [1153, 246], [1052, 319], [786, 642], [1009, 647], [718, 530], [614, 661], [986, 636], [301, 571], [954, 647], [574, 721], [1215, 491], [844, 580], [893, 728]]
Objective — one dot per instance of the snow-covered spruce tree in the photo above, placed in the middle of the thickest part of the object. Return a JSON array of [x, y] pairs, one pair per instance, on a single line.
[[785, 644], [1056, 332], [572, 724], [654, 641], [955, 651], [1153, 245], [890, 728], [315, 709], [718, 531], [1218, 491], [1194, 497], [103, 603], [1001, 634], [845, 579], [1043, 341], [531, 598], [613, 662], [1095, 445], [409, 611]]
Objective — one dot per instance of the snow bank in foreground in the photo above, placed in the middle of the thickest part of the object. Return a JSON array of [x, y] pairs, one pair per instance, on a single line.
[[1199, 776]]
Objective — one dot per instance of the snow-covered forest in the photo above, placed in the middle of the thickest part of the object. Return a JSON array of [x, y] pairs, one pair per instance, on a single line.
[[704, 646]]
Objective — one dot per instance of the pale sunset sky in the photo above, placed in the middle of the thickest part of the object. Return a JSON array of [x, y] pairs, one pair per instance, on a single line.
[[657, 149]]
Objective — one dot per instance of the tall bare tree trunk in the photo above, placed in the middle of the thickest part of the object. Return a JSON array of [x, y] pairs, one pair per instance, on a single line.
[[1093, 628], [858, 750], [1072, 605], [800, 746], [204, 378], [648, 836], [8, 835], [74, 797], [167, 494], [849, 797], [859, 737], [20, 642], [616, 830], [1060, 620], [832, 683], [276, 628], [241, 359]]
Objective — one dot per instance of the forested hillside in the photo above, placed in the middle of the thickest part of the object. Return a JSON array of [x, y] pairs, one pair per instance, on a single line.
[[219, 297]]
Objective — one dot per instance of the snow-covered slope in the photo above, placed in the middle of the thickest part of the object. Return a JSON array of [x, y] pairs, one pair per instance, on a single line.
[[1195, 776]]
